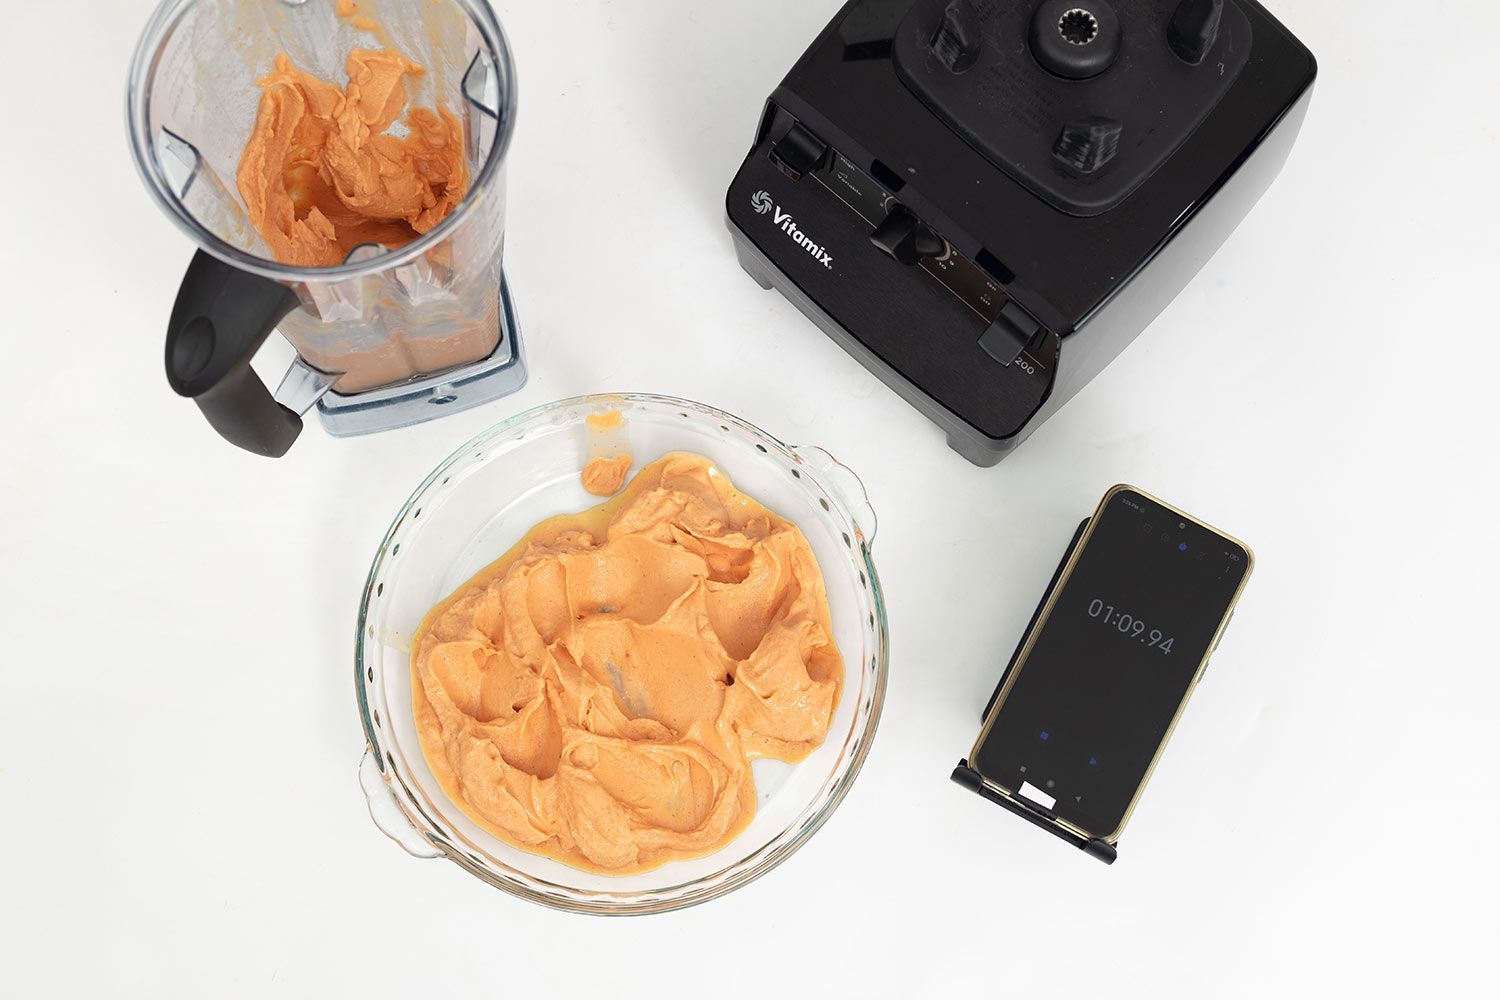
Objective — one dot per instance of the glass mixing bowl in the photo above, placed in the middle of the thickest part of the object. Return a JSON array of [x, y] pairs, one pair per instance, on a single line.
[[478, 504]]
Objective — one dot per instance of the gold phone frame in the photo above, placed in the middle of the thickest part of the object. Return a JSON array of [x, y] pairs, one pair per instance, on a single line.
[[1046, 615]]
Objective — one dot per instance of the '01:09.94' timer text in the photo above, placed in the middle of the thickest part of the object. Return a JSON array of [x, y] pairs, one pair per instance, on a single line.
[[1130, 626]]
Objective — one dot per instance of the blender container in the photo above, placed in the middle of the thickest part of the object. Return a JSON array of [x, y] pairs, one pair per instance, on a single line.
[[389, 337]]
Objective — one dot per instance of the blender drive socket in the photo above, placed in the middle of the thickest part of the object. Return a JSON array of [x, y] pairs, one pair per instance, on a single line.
[[1076, 39]]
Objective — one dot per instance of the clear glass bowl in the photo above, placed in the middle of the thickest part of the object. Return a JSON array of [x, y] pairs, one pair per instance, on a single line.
[[485, 497]]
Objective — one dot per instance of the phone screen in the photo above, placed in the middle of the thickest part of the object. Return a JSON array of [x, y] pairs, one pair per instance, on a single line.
[[1089, 705]]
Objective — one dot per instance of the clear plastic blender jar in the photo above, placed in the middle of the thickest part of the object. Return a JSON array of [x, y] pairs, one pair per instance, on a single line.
[[390, 336]]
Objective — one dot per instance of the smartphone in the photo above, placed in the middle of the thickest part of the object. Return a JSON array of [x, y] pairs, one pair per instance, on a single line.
[[1122, 638]]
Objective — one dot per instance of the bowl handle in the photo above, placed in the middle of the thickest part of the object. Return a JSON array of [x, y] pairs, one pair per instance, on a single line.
[[387, 813], [848, 489]]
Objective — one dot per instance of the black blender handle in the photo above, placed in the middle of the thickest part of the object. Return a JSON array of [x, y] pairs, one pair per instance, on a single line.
[[222, 317]]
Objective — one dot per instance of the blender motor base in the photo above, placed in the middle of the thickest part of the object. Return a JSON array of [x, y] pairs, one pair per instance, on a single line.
[[968, 442], [411, 403]]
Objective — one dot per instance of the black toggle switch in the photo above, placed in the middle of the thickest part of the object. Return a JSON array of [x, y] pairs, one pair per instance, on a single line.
[[904, 237], [1087, 144], [799, 152], [1194, 28], [957, 42], [1010, 334]]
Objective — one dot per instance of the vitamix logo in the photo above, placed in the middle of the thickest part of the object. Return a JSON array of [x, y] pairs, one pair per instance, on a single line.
[[763, 204]]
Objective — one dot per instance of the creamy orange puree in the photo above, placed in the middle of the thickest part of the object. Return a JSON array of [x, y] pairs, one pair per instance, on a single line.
[[610, 421], [597, 694], [320, 176], [350, 9], [603, 477]]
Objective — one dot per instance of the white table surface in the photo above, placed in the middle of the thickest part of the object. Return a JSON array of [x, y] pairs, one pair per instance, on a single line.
[[178, 736]]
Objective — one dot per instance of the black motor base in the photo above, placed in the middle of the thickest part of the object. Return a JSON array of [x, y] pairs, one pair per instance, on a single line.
[[987, 253]]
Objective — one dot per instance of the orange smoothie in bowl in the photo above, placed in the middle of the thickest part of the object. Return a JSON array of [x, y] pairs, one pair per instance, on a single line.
[[596, 695]]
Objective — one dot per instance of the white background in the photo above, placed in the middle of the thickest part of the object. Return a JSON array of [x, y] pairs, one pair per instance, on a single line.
[[178, 734]]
